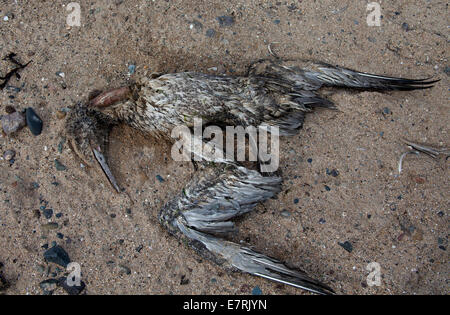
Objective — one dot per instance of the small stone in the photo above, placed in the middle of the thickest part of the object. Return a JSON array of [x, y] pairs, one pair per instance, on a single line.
[[447, 70], [285, 214], [225, 20], [405, 27], [210, 33], [59, 166], [13, 122], [296, 200], [60, 235], [387, 111], [48, 213], [276, 22], [327, 188], [34, 122], [49, 226], [10, 109], [347, 246], [131, 69], [309, 160], [322, 221], [9, 155], [57, 255], [60, 74], [60, 114], [184, 280], [257, 291], [159, 178]]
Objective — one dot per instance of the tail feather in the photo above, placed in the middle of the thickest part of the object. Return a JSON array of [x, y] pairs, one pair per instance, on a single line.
[[341, 77]]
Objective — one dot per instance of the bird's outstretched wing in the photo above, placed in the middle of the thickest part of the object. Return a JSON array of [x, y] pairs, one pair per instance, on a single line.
[[204, 210], [310, 75]]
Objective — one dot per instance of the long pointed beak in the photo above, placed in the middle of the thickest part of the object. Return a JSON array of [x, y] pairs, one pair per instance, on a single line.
[[102, 161]]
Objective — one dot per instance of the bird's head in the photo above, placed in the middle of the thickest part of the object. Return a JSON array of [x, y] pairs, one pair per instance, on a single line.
[[88, 127]]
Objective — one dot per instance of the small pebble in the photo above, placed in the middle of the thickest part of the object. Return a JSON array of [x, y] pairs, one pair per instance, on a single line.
[[48, 213], [322, 221], [131, 69], [10, 109], [257, 291], [9, 155], [59, 166], [347, 246], [285, 214], [57, 255], [34, 122], [60, 114], [327, 188], [296, 200], [13, 122], [159, 178]]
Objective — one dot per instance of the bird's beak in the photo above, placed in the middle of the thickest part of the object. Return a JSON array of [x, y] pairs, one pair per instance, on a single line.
[[101, 101], [102, 161]]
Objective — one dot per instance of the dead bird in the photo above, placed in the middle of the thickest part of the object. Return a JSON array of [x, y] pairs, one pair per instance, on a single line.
[[273, 93]]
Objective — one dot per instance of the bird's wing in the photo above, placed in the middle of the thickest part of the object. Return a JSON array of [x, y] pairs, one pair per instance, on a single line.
[[205, 209], [310, 75]]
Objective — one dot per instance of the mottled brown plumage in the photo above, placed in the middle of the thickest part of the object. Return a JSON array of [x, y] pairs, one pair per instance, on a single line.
[[272, 93]]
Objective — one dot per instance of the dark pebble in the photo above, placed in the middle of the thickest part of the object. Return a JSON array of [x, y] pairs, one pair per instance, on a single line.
[[225, 20], [327, 188], [139, 248], [440, 214], [386, 111], [71, 289], [347, 246], [9, 109], [405, 27], [60, 235], [256, 291], [48, 213], [322, 221], [309, 160], [296, 200], [443, 248], [59, 166], [58, 215], [159, 178], [184, 281], [276, 22], [57, 255], [34, 122]]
